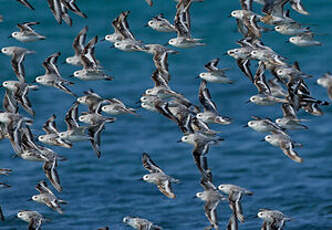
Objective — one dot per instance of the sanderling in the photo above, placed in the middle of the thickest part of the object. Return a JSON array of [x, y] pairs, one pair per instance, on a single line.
[[59, 9], [47, 197], [289, 119], [182, 27], [17, 57], [6, 173], [235, 194], [78, 46], [91, 99], [121, 29], [161, 24], [26, 33], [74, 132], [291, 29], [91, 70], [34, 218], [273, 219], [210, 114], [26, 3], [201, 144], [264, 96], [215, 74], [97, 123], [263, 125], [212, 197], [158, 177], [305, 39], [140, 223], [283, 141], [17, 91], [116, 107], [52, 75], [326, 82], [276, 89], [52, 134]]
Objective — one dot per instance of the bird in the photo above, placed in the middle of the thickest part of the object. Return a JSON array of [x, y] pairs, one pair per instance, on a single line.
[[78, 46], [215, 74], [272, 219], [26, 33], [140, 223], [47, 197], [157, 176]]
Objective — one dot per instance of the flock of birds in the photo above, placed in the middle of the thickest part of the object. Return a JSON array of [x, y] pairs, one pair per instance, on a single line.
[[286, 86]]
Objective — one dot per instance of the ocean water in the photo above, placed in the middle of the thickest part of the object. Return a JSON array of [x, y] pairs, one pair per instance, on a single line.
[[101, 192]]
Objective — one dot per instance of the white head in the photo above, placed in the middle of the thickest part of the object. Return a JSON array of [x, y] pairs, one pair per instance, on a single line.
[[82, 118], [62, 135], [199, 195], [278, 28], [268, 138], [15, 34], [79, 73], [41, 138], [279, 121], [323, 82], [202, 75], [35, 198], [146, 177], [151, 23], [81, 99], [109, 38], [237, 14], [70, 60], [39, 79], [255, 99], [172, 41], [149, 91], [188, 139], [252, 124], [293, 39]]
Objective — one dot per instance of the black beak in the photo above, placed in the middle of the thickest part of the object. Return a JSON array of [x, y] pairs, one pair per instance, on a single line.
[[194, 197], [10, 36], [72, 75], [245, 126], [229, 16], [166, 44], [112, 46], [103, 39], [137, 102], [247, 101], [287, 41], [263, 140], [179, 141], [64, 62], [197, 77], [34, 81], [29, 199], [140, 179], [146, 25], [225, 54]]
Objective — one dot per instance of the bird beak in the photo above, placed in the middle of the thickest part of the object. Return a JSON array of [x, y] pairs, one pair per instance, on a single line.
[[225, 54], [263, 140], [146, 25], [64, 62], [245, 126], [197, 77], [166, 44], [103, 39], [247, 101], [287, 41], [140, 179], [10, 36], [72, 75], [29, 199], [138, 102], [194, 197], [112, 46], [229, 16], [179, 141]]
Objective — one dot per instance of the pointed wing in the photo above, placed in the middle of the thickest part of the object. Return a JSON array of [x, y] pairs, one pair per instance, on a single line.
[[88, 54], [150, 165], [288, 111], [71, 116], [79, 41], [94, 133], [212, 65], [50, 126], [49, 64], [260, 81], [43, 188], [205, 98], [166, 189]]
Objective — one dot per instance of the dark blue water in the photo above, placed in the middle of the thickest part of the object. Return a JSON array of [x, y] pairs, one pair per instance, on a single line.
[[101, 192]]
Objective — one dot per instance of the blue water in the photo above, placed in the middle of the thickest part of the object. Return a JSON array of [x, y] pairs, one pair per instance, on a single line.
[[101, 192]]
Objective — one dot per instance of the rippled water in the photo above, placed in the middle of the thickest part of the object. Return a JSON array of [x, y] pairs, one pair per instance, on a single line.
[[101, 192]]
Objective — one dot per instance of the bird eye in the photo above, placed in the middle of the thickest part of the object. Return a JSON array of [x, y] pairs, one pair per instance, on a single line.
[[151, 22], [277, 27], [251, 123]]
